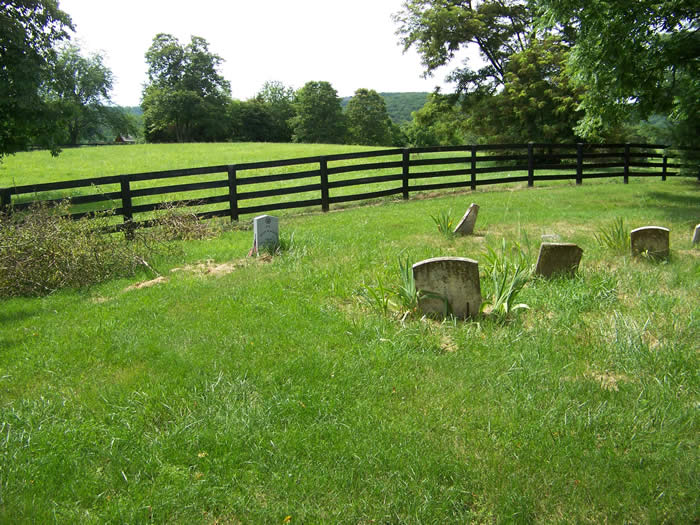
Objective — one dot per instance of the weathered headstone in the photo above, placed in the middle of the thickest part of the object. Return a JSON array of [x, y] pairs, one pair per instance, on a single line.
[[558, 258], [696, 235], [450, 285], [550, 237], [650, 240], [466, 225], [265, 233]]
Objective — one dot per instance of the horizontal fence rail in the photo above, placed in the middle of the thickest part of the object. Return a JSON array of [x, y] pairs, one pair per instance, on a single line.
[[251, 188]]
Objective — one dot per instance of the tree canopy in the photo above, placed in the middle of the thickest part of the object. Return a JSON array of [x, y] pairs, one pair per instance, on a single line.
[[278, 100], [29, 29], [80, 86], [523, 92], [319, 117], [439, 29], [367, 119], [185, 97], [643, 54], [537, 103]]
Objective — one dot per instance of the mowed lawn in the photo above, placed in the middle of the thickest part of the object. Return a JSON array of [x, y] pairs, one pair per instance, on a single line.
[[242, 390]]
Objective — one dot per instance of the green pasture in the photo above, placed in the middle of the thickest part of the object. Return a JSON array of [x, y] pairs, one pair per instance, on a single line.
[[266, 390], [89, 162]]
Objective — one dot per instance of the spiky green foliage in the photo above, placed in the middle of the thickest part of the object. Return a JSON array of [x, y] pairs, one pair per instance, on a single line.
[[444, 222], [614, 237], [508, 271]]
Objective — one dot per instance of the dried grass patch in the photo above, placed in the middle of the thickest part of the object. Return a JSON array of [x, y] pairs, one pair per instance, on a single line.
[[209, 267], [607, 380]]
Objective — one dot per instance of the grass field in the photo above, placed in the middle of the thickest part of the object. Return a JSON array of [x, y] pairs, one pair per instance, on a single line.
[[89, 162], [267, 391]]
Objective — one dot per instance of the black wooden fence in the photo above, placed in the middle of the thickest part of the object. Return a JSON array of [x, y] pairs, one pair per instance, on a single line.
[[251, 188]]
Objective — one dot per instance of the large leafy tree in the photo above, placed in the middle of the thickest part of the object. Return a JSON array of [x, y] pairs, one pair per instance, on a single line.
[[251, 121], [29, 30], [367, 119], [440, 122], [278, 101], [643, 54], [80, 87], [185, 98], [440, 29], [537, 103], [319, 115], [523, 91]]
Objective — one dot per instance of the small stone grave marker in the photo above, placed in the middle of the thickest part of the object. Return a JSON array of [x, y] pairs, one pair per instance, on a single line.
[[451, 279], [696, 235], [558, 258], [265, 233], [466, 225], [650, 240], [550, 237]]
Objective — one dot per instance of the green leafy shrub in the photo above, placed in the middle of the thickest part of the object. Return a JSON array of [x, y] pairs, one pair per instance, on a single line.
[[42, 250]]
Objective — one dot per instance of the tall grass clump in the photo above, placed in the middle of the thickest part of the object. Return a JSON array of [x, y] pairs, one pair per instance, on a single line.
[[403, 297], [614, 237], [42, 250], [507, 270], [400, 298], [444, 222]]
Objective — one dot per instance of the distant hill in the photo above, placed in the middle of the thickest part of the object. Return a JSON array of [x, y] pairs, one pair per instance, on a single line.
[[399, 105], [133, 110]]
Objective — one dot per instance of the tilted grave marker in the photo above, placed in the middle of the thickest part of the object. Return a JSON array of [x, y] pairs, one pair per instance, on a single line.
[[466, 225], [696, 235], [450, 285], [558, 258], [265, 233], [650, 240]]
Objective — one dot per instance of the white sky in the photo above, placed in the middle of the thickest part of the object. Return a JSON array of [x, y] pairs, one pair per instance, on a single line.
[[350, 43]]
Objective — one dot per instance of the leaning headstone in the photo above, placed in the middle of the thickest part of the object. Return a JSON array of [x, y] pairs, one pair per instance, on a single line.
[[558, 258], [696, 235], [650, 240], [449, 285], [265, 233], [466, 225]]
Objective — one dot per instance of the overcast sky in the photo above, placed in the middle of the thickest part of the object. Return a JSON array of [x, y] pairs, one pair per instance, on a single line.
[[351, 44]]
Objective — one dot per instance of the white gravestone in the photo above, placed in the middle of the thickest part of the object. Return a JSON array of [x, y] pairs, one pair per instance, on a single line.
[[265, 233], [451, 279], [696, 235], [650, 240], [466, 225]]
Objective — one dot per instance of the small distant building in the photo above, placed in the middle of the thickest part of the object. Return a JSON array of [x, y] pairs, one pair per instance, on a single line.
[[124, 139]]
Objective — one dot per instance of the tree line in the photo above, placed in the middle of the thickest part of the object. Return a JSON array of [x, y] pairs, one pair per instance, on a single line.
[[558, 70], [186, 99], [553, 71]]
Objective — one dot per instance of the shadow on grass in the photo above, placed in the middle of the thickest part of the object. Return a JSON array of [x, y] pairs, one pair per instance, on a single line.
[[13, 316], [681, 208]]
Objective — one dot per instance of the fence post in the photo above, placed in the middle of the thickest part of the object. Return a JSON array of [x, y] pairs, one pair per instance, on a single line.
[[325, 206], [233, 193], [5, 200], [405, 165], [626, 176], [473, 173], [664, 169], [530, 165], [579, 163], [126, 208]]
